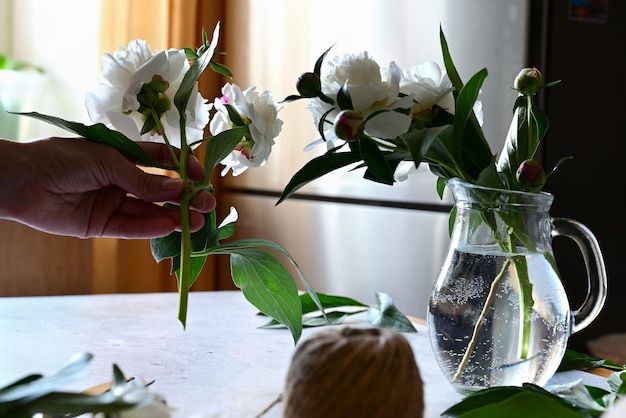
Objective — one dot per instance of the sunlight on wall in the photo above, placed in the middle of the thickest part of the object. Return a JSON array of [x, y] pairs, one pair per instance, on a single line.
[[49, 34]]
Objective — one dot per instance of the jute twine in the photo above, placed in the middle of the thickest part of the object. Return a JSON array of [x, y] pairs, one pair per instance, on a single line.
[[353, 372]]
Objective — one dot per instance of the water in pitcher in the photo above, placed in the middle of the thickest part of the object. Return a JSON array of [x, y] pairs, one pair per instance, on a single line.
[[458, 305]]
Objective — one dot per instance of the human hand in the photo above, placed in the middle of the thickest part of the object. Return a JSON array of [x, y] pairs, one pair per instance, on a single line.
[[77, 188]]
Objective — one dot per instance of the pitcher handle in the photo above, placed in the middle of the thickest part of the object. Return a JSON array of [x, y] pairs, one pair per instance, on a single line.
[[594, 264]]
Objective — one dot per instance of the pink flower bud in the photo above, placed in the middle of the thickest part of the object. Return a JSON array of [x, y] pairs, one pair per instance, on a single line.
[[528, 81], [309, 85], [531, 175], [348, 125]]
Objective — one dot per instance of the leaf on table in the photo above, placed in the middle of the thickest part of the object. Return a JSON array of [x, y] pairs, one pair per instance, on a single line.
[[512, 402], [385, 314], [331, 318], [328, 302], [617, 382], [37, 385], [574, 360], [579, 395]]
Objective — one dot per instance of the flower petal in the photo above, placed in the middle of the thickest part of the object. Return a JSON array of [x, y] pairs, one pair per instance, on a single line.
[[387, 125]]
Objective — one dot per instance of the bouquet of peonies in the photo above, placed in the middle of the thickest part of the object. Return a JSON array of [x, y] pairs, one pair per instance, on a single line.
[[153, 96], [390, 121]]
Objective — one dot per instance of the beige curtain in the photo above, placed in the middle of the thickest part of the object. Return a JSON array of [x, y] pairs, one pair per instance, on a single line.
[[128, 266]]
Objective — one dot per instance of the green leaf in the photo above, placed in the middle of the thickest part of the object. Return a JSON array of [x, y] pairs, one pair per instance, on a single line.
[[281, 274], [474, 144], [317, 168], [475, 152], [377, 165], [320, 61], [268, 286], [512, 402], [617, 382], [221, 69], [574, 360], [101, 134], [169, 246], [418, 142], [37, 385], [165, 247], [292, 98], [465, 100], [190, 53], [220, 145], [187, 86], [328, 302], [344, 101], [331, 318], [234, 115], [386, 314], [119, 380], [66, 404], [453, 74], [264, 243], [334, 317]]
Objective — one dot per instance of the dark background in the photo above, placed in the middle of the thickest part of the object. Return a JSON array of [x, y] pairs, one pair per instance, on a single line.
[[586, 115]]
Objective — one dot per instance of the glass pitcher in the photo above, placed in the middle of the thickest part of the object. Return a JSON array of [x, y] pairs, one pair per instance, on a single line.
[[498, 314]]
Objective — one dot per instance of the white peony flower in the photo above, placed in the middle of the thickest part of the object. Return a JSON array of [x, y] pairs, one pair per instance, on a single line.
[[429, 85], [129, 70], [373, 91], [260, 114], [363, 77]]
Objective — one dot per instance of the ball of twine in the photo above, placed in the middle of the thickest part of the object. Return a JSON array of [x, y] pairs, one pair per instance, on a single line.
[[353, 372]]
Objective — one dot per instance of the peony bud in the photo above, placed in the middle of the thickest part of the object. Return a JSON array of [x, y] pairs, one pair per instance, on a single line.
[[348, 125], [309, 85], [528, 81], [531, 175]]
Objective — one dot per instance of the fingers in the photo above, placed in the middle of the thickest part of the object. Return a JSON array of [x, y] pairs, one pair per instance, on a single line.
[[203, 201], [136, 219], [161, 154]]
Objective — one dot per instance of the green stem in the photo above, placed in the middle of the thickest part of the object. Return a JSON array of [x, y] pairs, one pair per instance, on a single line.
[[481, 320], [526, 304], [185, 259], [185, 233], [167, 142], [531, 130]]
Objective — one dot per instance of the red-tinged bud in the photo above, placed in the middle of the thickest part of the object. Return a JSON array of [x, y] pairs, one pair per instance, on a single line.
[[528, 81], [348, 125], [531, 176], [309, 85]]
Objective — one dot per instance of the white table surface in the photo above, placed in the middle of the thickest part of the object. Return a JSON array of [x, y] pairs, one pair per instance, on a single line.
[[221, 365]]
